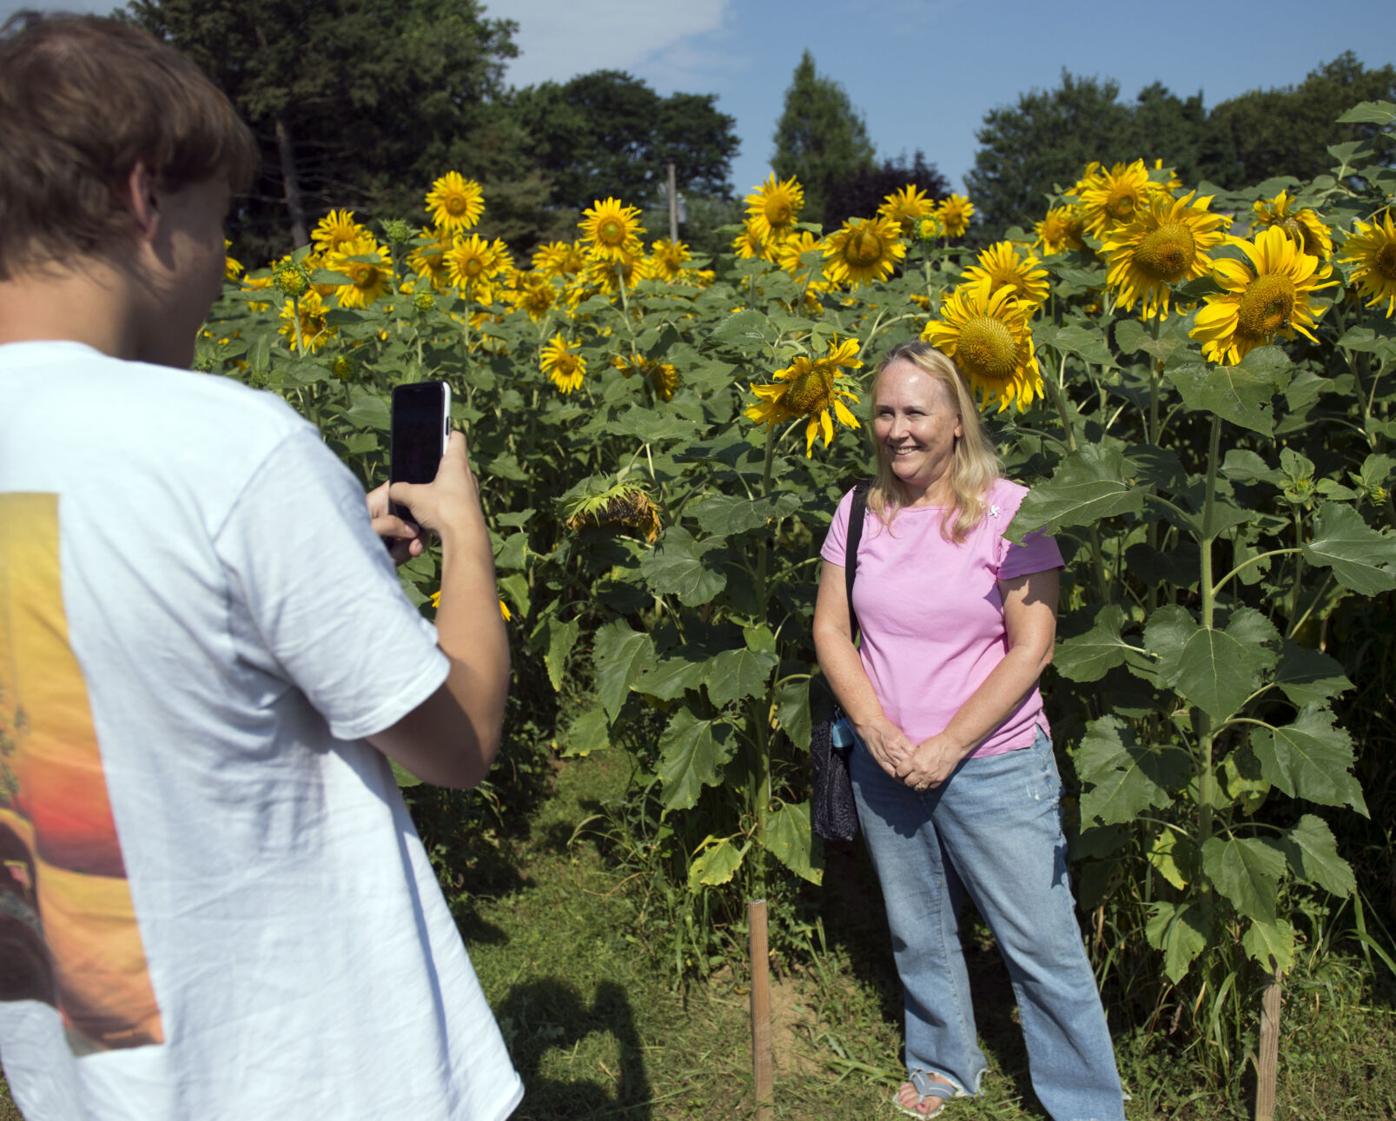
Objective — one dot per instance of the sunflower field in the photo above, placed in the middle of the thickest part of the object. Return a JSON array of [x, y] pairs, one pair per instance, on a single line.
[[1196, 385]]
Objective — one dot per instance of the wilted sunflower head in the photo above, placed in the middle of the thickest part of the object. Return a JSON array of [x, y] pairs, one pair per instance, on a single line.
[[620, 506]]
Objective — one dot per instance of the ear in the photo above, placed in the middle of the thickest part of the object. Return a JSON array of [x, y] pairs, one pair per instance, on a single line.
[[142, 201]]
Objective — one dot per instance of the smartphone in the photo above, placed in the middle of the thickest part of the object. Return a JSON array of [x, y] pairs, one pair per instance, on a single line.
[[421, 427]]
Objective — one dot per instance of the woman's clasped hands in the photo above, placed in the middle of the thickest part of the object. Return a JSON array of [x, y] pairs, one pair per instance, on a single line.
[[920, 766]]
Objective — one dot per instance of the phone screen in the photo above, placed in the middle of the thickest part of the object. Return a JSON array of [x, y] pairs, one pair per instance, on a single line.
[[421, 420]]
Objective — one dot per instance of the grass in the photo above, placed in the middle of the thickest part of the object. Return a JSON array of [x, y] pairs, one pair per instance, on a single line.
[[597, 1030]]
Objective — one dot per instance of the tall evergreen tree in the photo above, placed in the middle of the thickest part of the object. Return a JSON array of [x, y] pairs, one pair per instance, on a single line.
[[820, 138]]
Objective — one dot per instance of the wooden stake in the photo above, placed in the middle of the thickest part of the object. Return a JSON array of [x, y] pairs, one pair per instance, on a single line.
[[761, 1064], [1267, 1064], [673, 204]]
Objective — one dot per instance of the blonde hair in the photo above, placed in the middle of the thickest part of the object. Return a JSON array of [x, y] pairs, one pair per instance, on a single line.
[[974, 465]]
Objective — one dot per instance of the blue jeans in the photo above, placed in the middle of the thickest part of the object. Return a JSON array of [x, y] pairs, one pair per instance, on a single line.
[[992, 832]]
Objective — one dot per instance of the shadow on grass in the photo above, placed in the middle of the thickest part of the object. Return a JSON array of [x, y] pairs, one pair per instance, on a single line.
[[539, 1017]]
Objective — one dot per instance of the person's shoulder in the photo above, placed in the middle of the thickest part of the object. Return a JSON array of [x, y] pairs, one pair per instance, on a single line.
[[1003, 490]]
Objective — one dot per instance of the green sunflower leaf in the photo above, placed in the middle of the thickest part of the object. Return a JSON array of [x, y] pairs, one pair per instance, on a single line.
[[1313, 856], [1181, 931], [679, 566], [1361, 558], [587, 733], [792, 711], [1310, 759], [1090, 484], [716, 863], [1270, 944], [561, 638], [1308, 676], [619, 657], [691, 754], [738, 673], [670, 678], [1240, 394], [1125, 777], [791, 841], [1247, 871], [1089, 656]]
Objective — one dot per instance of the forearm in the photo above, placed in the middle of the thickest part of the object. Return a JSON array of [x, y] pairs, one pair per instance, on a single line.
[[997, 696], [843, 668], [471, 633]]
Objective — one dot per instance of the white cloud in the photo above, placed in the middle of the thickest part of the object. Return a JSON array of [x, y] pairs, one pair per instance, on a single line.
[[558, 39]]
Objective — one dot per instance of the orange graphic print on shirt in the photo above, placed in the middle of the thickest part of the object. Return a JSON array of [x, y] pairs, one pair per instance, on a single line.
[[68, 932]]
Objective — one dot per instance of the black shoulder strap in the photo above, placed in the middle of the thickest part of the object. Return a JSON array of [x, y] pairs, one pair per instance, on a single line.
[[856, 515]]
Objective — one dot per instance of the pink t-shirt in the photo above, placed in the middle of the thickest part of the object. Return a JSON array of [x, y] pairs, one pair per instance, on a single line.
[[931, 613]]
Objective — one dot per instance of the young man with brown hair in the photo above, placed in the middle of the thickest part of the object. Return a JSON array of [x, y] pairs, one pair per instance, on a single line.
[[213, 903]]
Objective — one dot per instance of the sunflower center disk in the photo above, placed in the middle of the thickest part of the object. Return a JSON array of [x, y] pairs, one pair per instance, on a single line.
[[610, 232], [455, 206], [864, 248], [1121, 206], [987, 350], [778, 212], [1168, 253], [1385, 262], [1266, 307], [811, 392]]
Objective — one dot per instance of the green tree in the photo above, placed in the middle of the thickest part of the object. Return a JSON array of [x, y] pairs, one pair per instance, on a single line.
[[1287, 131], [357, 103], [608, 133], [1027, 150], [860, 193], [820, 138]]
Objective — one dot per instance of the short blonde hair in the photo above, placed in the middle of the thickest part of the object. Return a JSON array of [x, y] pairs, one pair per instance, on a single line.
[[975, 464]]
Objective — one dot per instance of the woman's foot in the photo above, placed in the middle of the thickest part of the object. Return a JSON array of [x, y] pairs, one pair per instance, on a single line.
[[924, 1094]]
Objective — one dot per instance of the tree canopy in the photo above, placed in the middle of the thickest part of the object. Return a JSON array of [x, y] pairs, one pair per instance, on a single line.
[[608, 133], [820, 138], [1028, 149]]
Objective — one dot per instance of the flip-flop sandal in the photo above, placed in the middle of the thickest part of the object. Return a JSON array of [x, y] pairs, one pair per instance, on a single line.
[[926, 1086]]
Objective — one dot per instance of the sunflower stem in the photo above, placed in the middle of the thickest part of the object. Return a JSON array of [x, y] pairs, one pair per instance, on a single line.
[[1205, 730]]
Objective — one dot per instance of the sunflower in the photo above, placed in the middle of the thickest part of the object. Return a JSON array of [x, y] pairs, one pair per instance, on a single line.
[[609, 275], [773, 208], [809, 387], [1060, 229], [335, 229], [749, 245], [472, 263], [662, 376], [428, 258], [532, 293], [1372, 248], [954, 214], [1003, 265], [558, 260], [1261, 300], [563, 365], [863, 249], [790, 254], [455, 203], [930, 228], [315, 332], [988, 336], [1166, 243], [232, 268], [1302, 224], [667, 258], [368, 267], [621, 506], [907, 207], [1115, 195], [612, 229]]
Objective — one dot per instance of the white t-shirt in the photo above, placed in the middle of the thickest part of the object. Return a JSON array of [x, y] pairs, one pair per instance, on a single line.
[[213, 903]]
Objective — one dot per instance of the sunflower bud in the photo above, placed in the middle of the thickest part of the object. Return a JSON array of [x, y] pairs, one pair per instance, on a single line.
[[291, 279]]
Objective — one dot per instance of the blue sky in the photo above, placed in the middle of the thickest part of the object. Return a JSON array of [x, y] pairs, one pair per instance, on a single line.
[[924, 72]]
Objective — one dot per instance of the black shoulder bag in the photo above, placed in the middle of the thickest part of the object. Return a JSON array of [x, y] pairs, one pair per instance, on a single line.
[[832, 812]]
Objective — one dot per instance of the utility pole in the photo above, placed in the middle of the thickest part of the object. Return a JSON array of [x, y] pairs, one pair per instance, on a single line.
[[673, 205]]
